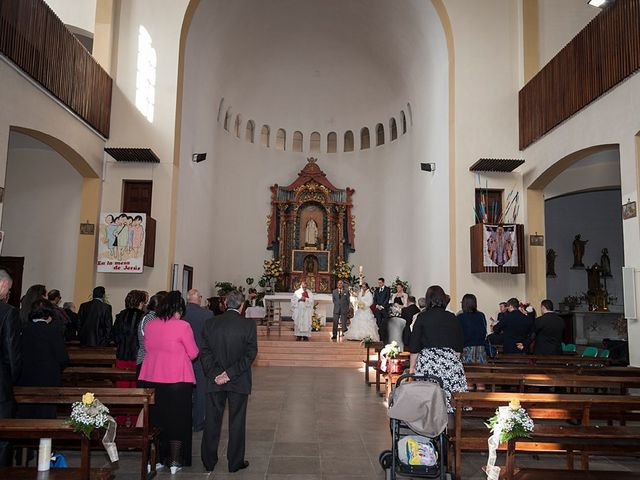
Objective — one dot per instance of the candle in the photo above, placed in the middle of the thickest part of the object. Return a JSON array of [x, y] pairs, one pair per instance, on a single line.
[[44, 455], [360, 269]]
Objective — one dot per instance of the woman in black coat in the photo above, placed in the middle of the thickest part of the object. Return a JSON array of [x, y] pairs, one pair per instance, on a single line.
[[125, 332], [44, 356]]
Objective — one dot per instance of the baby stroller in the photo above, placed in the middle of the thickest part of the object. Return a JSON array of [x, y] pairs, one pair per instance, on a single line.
[[418, 412]]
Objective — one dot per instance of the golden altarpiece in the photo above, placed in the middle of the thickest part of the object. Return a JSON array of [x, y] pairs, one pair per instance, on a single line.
[[310, 228]]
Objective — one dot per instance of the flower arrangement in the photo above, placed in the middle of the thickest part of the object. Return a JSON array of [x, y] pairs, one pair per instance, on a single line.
[[272, 269], [316, 326], [391, 350], [405, 284], [342, 270], [366, 341], [512, 422], [395, 310], [89, 414]]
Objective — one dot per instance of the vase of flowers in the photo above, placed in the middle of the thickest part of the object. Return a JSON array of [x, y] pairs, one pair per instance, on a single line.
[[272, 273]]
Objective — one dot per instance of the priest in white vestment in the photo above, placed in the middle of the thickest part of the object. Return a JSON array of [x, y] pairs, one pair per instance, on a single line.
[[302, 311]]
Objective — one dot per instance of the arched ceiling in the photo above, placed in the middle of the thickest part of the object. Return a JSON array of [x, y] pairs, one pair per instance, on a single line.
[[316, 59]]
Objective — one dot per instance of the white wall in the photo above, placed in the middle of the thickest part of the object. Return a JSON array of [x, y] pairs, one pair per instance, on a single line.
[[597, 217], [40, 216], [78, 13], [559, 22], [397, 207]]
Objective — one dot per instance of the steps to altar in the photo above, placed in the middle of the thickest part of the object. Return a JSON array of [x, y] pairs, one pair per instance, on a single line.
[[319, 351]]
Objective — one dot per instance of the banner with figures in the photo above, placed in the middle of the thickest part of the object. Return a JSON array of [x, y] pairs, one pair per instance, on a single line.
[[500, 246], [121, 242]]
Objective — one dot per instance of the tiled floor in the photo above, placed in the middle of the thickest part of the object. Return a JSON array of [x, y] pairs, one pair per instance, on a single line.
[[320, 423]]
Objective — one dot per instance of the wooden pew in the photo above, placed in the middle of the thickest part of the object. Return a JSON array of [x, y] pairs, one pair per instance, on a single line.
[[86, 358], [541, 407], [372, 355], [56, 429], [118, 400], [93, 376], [548, 360], [576, 369]]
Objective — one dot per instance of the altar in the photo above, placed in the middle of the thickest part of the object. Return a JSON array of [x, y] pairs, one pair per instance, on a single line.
[[323, 300]]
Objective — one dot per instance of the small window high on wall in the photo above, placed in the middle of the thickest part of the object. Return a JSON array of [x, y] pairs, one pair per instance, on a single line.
[[227, 119], [379, 135], [250, 131], [393, 128], [220, 109], [281, 139], [365, 142], [332, 142], [348, 141], [264, 136], [403, 120], [314, 144], [237, 125], [410, 113], [297, 141]]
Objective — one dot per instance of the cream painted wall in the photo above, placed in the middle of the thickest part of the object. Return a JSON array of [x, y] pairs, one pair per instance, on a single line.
[[81, 14], [401, 213], [559, 22], [40, 217], [612, 119], [129, 128], [487, 62]]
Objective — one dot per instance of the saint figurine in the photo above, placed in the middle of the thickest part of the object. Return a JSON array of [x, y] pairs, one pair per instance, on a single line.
[[578, 251], [551, 263], [311, 233], [605, 263]]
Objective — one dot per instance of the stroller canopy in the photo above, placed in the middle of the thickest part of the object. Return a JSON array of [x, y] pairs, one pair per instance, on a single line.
[[421, 405]]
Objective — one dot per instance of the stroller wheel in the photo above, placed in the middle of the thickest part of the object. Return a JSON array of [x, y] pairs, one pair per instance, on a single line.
[[386, 459]]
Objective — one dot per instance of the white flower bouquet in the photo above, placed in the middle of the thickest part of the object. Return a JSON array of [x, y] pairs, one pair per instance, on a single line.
[[512, 422], [89, 414], [391, 350]]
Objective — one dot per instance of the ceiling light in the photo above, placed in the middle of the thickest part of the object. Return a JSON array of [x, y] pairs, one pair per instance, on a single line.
[[598, 3]]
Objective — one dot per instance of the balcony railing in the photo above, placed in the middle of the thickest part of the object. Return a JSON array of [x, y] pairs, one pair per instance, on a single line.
[[36, 40], [602, 55]]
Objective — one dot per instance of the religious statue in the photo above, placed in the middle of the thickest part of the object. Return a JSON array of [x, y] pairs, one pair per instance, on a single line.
[[578, 251], [605, 263], [551, 263], [311, 233]]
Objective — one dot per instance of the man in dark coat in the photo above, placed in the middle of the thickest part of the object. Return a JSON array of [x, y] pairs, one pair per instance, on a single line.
[[549, 330], [95, 320], [408, 313], [341, 301], [381, 298], [229, 347], [10, 359], [515, 327], [198, 317]]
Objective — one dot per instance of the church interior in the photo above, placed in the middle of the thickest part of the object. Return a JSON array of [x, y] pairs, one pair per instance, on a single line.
[[490, 148]]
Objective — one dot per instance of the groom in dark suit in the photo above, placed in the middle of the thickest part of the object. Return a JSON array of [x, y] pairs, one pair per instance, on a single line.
[[229, 347], [341, 300], [381, 299]]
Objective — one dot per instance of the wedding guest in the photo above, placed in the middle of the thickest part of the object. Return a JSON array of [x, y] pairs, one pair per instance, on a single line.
[[408, 313], [34, 292], [515, 328], [95, 319], [400, 297], [216, 305], [341, 302], [436, 343], [170, 347], [549, 331], [152, 306], [125, 332], [380, 304], [43, 357], [71, 332], [474, 329], [60, 318], [252, 300], [198, 317], [11, 364]]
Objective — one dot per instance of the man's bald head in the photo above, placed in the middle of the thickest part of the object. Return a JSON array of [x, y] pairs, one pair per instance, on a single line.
[[5, 285], [193, 296]]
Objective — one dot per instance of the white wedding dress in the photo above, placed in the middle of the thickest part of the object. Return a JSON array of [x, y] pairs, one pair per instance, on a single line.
[[363, 324]]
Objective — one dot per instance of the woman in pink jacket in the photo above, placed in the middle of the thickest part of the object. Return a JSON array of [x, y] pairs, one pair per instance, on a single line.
[[170, 348]]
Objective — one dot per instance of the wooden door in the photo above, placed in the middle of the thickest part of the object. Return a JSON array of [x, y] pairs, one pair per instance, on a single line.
[[14, 267], [136, 196]]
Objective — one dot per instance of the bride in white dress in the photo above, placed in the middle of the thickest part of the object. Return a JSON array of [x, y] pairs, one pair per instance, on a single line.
[[363, 324]]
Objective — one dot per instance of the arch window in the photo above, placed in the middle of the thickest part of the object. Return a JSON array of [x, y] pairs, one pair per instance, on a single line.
[[410, 113], [297, 141], [314, 143], [348, 141], [379, 135], [365, 142], [332, 142], [250, 131], [237, 125], [264, 136], [393, 128], [403, 120], [281, 139], [227, 119], [220, 109]]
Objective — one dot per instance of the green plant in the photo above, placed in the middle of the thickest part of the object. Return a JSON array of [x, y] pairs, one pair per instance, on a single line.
[[405, 284], [512, 422], [224, 288]]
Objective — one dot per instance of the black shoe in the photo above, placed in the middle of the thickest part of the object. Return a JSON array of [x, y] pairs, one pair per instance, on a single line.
[[305, 339], [333, 337], [244, 465], [298, 339]]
